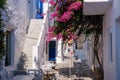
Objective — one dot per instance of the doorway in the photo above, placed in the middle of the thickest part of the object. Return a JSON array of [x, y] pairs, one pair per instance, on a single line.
[[52, 50]]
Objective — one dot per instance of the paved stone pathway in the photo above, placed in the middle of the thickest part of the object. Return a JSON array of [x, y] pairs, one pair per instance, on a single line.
[[70, 69], [73, 69]]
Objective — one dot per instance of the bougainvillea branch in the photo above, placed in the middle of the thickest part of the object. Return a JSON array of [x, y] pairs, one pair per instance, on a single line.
[[66, 17], [69, 19]]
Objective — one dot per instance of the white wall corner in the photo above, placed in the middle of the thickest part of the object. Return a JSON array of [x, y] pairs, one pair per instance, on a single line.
[[59, 52]]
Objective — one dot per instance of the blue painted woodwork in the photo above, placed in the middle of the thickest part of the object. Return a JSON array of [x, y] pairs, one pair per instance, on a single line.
[[39, 7], [52, 50]]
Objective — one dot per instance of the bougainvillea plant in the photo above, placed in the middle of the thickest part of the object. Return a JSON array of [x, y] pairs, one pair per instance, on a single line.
[[69, 21], [67, 17]]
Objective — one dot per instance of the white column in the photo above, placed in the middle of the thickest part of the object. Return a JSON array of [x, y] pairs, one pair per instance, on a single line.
[[59, 52]]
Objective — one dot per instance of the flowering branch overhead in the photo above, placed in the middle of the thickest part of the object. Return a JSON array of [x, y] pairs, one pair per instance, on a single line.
[[66, 15], [69, 20]]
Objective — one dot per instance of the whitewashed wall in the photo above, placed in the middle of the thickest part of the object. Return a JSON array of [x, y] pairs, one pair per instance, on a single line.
[[112, 69], [19, 19], [59, 52], [42, 43], [20, 12]]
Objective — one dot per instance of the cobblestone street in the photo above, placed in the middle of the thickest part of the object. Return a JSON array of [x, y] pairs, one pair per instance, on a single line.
[[74, 69]]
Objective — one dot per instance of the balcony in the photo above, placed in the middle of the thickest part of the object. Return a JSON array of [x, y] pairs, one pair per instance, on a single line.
[[96, 7]]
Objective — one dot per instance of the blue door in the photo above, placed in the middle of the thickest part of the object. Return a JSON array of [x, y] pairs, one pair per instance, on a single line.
[[52, 50]]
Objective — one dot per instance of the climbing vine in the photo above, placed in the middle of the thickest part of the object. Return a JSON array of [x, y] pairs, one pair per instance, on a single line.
[[2, 33]]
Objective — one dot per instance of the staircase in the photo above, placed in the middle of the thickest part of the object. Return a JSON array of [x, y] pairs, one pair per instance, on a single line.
[[32, 40]]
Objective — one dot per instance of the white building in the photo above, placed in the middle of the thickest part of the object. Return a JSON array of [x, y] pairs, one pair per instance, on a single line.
[[111, 31], [16, 28], [21, 26]]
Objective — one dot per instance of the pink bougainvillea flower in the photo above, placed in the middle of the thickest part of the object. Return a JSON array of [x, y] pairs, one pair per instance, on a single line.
[[53, 3], [49, 36], [57, 8], [59, 36], [54, 14], [51, 18], [64, 11], [51, 29], [75, 6], [66, 16], [72, 36], [58, 19]]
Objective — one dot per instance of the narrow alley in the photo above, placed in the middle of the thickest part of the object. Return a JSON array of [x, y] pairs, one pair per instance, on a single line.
[[74, 69], [59, 40]]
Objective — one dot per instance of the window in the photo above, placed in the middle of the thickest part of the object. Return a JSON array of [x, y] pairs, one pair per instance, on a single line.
[[8, 49], [110, 52]]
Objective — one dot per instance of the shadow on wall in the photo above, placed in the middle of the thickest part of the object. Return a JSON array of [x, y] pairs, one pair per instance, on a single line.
[[22, 62]]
